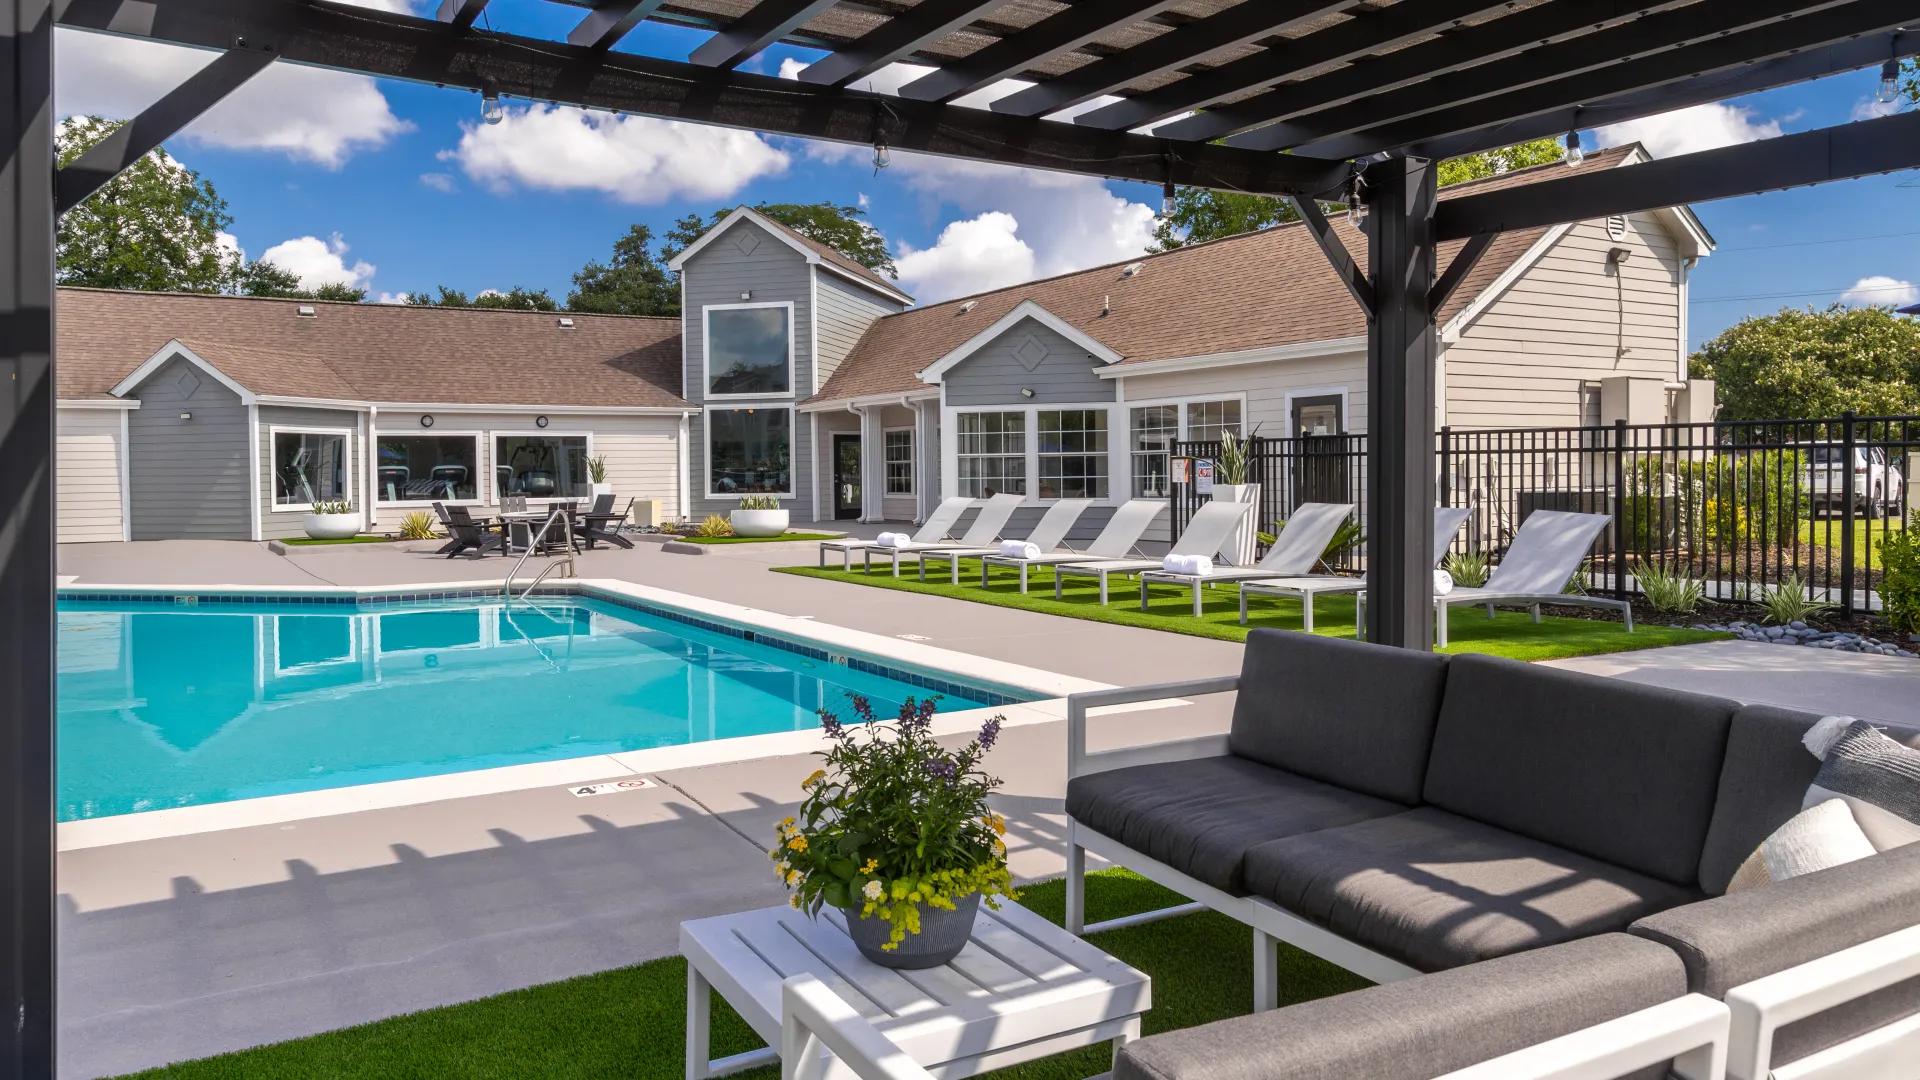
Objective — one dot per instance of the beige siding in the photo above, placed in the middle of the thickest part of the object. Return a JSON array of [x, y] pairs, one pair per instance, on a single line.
[[1570, 319], [1265, 387], [89, 489]]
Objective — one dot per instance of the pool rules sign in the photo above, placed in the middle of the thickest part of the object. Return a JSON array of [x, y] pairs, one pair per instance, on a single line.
[[613, 788]]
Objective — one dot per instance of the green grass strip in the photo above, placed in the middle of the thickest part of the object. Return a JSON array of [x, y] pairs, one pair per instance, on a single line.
[[308, 541], [1512, 633], [783, 538]]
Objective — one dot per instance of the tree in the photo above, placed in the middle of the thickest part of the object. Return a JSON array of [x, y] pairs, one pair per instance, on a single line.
[[262, 278], [1801, 364], [156, 226], [838, 227], [515, 299], [633, 283]]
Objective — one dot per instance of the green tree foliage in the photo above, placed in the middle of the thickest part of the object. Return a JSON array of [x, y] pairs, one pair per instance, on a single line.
[[514, 299], [838, 227], [1805, 363], [262, 278], [156, 226], [634, 282]]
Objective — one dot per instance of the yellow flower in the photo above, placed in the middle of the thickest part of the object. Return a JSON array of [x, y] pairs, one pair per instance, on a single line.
[[798, 843], [793, 878], [871, 866], [794, 901], [818, 775], [786, 823]]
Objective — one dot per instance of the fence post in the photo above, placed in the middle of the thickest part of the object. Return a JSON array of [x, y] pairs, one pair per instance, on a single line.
[[1620, 509], [1847, 493], [1446, 474]]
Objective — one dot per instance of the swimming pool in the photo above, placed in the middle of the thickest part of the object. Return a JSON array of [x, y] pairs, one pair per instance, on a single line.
[[166, 705]]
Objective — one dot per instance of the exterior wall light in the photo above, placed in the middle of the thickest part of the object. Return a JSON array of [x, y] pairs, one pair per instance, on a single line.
[[748, 295], [186, 416], [426, 420], [1026, 391], [539, 421]]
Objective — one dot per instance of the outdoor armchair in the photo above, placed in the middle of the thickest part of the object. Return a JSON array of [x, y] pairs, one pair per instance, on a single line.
[[466, 534], [1295, 551], [1047, 535], [938, 526], [1212, 524], [1446, 521], [1120, 539], [984, 531], [593, 525]]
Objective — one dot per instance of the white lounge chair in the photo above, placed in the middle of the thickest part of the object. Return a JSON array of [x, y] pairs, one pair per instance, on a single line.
[[1446, 521], [1296, 550], [1047, 535], [936, 528], [1118, 540], [1212, 524], [985, 530]]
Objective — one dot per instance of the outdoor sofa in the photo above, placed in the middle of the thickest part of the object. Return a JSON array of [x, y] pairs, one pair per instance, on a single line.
[[1533, 851]]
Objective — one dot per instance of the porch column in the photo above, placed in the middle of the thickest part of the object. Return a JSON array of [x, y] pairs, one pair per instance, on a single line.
[[873, 463], [926, 459], [1401, 349], [26, 539]]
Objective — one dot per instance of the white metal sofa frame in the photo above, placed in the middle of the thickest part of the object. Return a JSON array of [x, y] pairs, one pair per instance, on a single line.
[[1295, 551], [1446, 521], [1047, 535], [1763, 1006], [1118, 540]]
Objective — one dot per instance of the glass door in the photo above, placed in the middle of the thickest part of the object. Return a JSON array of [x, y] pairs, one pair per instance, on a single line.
[[846, 476]]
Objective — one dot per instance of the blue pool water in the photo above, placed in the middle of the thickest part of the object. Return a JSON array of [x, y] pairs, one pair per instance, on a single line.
[[167, 706]]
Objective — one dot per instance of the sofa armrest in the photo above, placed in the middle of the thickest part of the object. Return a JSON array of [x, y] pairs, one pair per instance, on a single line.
[[813, 1016], [1080, 762], [1691, 1031], [1764, 1005]]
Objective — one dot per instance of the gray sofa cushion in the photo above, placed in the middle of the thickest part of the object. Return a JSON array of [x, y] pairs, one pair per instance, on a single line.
[[1622, 772], [1424, 1027], [1200, 817], [1743, 936], [1346, 712], [1434, 890]]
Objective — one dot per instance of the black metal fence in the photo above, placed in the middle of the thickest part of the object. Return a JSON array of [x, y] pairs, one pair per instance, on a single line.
[[1738, 505]]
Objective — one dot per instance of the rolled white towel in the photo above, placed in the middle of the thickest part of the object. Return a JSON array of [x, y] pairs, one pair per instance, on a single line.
[[893, 539], [1190, 565], [1019, 549], [1442, 583]]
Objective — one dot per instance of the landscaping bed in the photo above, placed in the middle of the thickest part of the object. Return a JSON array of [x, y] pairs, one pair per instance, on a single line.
[[783, 538]]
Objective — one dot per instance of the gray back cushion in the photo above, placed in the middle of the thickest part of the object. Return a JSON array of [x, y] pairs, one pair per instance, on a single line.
[[1611, 769], [1344, 712]]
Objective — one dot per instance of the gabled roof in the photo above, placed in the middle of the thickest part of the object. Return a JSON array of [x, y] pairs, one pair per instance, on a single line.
[[1258, 290], [383, 353], [815, 252], [1026, 309]]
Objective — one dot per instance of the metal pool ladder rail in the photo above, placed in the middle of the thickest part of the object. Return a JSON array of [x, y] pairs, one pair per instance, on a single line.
[[563, 514]]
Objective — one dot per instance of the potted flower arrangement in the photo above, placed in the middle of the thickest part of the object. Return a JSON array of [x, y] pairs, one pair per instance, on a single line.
[[759, 515], [334, 520], [895, 832]]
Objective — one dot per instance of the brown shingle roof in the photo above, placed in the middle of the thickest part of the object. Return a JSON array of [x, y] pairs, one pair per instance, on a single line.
[[1256, 290], [374, 352]]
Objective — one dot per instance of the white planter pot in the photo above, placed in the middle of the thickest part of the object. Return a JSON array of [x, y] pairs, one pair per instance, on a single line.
[[331, 526], [1243, 543], [603, 489], [758, 522]]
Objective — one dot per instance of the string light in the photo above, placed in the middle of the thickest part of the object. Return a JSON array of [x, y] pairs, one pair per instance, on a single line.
[[1167, 203], [1574, 154], [881, 158], [1356, 202], [490, 108], [1889, 91]]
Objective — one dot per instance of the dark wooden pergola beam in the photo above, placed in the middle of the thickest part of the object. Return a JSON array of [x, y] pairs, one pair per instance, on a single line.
[[762, 25], [899, 36], [1060, 32], [460, 13], [605, 26]]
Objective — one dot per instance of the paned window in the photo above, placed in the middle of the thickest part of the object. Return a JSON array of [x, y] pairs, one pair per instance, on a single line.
[[1207, 420], [1155, 428], [900, 462], [1073, 454], [992, 452]]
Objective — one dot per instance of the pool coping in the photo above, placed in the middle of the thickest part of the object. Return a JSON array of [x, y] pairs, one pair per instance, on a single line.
[[1051, 688]]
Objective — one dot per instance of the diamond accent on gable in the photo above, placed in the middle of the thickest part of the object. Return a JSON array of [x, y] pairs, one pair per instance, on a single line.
[[1030, 352], [748, 241], [188, 383]]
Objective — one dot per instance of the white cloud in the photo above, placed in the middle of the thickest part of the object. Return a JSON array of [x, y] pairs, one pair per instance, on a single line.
[[636, 159], [318, 262], [393, 298], [1684, 131], [228, 242], [1881, 289], [971, 256], [439, 181], [307, 113], [1873, 108]]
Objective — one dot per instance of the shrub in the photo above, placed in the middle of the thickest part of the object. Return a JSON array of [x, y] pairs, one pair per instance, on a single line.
[[1789, 601], [1468, 569], [597, 470], [715, 525], [1231, 465], [1900, 585], [334, 506], [760, 502], [417, 525], [1669, 590]]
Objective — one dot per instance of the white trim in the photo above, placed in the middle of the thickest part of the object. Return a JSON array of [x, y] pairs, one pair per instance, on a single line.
[[459, 407], [159, 360], [255, 466], [1684, 371], [1025, 309], [706, 448], [480, 463], [813, 439], [1508, 278], [706, 351], [370, 462], [360, 433], [843, 404], [684, 485], [274, 431], [1286, 409], [913, 447], [813, 334], [780, 233], [1117, 449], [493, 437], [1268, 354], [98, 403], [126, 475]]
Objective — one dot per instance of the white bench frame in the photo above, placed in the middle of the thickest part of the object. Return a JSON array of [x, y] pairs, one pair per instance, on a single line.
[[1763, 1006]]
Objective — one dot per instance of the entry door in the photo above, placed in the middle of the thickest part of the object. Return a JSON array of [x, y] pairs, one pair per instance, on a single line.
[[1320, 461], [846, 476]]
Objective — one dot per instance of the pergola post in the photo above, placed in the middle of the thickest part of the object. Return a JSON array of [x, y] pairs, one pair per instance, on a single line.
[[26, 539], [1401, 346]]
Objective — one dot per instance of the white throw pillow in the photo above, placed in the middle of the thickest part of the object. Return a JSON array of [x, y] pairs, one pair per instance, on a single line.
[[1876, 776], [1816, 838]]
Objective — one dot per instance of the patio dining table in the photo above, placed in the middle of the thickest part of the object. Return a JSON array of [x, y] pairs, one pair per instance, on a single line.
[[527, 522]]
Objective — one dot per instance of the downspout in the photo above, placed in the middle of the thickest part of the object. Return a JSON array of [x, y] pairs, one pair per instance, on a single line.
[[681, 496], [370, 446]]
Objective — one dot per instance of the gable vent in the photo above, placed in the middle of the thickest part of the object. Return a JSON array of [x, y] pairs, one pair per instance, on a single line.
[[306, 311], [1130, 269], [968, 306]]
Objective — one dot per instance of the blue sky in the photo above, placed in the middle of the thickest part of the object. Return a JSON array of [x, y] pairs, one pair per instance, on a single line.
[[398, 187]]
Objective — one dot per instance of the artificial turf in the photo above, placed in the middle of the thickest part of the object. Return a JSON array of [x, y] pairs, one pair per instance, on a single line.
[[630, 1022], [1512, 633]]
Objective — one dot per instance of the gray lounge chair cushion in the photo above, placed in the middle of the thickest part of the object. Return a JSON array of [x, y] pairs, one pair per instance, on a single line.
[[1434, 890], [1747, 935], [1424, 1027], [1619, 771], [1346, 712], [1200, 817]]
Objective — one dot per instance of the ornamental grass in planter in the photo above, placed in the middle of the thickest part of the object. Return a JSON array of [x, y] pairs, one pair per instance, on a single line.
[[895, 831]]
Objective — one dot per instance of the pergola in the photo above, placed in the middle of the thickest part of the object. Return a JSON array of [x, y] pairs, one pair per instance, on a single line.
[[1303, 99]]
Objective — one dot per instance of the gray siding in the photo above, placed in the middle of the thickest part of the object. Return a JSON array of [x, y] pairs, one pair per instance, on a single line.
[[995, 374], [846, 311], [281, 524], [189, 479]]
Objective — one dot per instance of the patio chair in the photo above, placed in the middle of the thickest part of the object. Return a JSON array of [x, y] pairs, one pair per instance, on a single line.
[[1209, 529], [467, 534], [1047, 535], [1120, 539], [937, 527], [984, 531], [594, 524], [1446, 521], [1296, 550]]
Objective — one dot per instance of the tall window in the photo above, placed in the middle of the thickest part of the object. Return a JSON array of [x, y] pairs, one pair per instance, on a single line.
[[900, 462], [310, 467], [1073, 454], [1206, 420], [748, 349], [992, 451], [750, 451], [426, 468], [1154, 431], [542, 466]]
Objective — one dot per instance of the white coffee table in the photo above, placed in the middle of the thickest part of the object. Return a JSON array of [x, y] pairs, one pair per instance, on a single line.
[[1023, 988]]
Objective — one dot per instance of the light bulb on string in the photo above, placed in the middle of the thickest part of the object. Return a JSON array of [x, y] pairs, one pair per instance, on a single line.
[[1167, 201], [1889, 90], [1356, 202], [491, 110], [881, 158], [1574, 154]]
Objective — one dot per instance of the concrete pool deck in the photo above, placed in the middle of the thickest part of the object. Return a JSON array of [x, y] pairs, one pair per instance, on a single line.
[[192, 945]]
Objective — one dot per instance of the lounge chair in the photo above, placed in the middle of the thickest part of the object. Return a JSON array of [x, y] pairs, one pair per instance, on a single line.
[[1047, 535], [467, 534], [1295, 551], [984, 531], [1209, 529], [936, 528], [1446, 521], [1120, 539], [592, 525]]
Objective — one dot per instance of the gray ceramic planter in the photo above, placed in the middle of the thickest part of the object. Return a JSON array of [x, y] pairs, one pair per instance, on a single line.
[[942, 935]]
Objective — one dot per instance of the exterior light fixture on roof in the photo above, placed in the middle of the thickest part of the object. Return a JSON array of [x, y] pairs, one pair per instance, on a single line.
[[968, 306], [306, 311], [1356, 199], [1131, 269], [490, 108], [881, 157], [1168, 204], [566, 323]]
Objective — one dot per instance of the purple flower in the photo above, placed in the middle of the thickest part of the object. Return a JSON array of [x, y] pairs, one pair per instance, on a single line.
[[940, 768], [989, 732], [831, 724], [861, 707]]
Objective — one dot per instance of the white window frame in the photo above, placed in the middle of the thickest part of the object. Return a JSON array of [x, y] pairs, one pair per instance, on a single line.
[[1027, 427], [1034, 426], [1118, 456], [1186, 425], [706, 449], [1341, 391], [1179, 404], [912, 452], [706, 351], [481, 458], [493, 437], [1179, 431], [274, 431]]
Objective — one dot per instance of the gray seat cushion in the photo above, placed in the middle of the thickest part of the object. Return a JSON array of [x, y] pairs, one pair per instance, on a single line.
[[1200, 817], [1434, 890], [1346, 712], [1747, 935], [1424, 1027], [1622, 772]]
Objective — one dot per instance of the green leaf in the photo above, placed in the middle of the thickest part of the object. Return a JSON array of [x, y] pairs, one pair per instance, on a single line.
[[835, 894]]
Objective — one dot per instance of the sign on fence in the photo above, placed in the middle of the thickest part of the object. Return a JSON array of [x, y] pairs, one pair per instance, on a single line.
[[1203, 476]]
